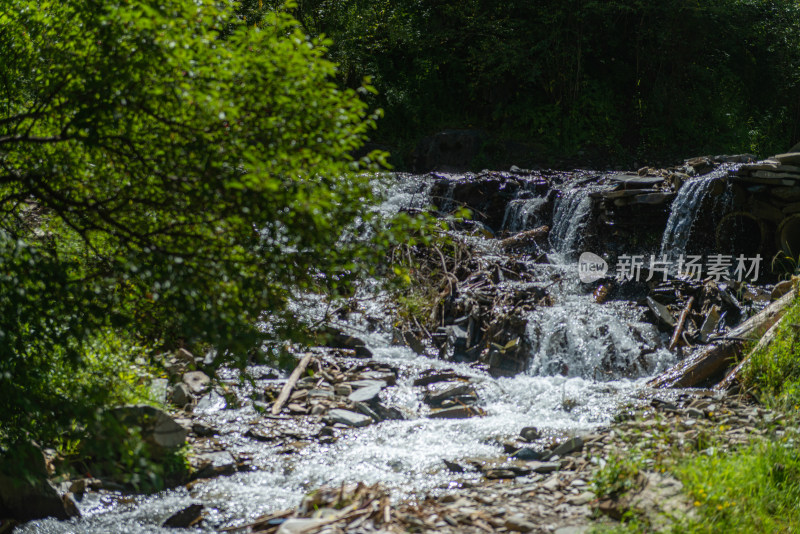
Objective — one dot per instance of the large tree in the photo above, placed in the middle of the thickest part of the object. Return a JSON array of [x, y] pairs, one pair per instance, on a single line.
[[166, 166]]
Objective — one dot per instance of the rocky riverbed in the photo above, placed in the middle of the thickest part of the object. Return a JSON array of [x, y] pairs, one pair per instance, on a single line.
[[494, 413]]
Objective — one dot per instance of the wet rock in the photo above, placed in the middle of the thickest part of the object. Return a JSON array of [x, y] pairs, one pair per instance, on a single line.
[[333, 337], [497, 474], [358, 384], [437, 375], [439, 393], [210, 403], [186, 518], [456, 412], [544, 467], [213, 464], [453, 466], [30, 495], [530, 433], [346, 417], [661, 313], [569, 446], [297, 409], [528, 454], [203, 430], [197, 381], [366, 394], [181, 395], [519, 523]]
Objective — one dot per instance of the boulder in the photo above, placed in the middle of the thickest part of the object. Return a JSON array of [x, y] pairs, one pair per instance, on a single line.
[[27, 494], [197, 381], [157, 428], [181, 395]]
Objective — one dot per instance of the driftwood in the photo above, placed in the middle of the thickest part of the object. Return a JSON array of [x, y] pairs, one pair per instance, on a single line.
[[716, 358], [676, 336], [289, 385], [733, 376], [526, 238]]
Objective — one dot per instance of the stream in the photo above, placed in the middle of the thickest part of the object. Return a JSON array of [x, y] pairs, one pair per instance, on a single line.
[[585, 363]]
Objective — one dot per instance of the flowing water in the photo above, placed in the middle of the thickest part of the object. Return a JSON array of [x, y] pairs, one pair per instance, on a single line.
[[586, 361], [685, 209]]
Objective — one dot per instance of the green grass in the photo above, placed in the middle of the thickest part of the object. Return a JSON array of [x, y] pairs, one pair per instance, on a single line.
[[754, 489], [773, 373]]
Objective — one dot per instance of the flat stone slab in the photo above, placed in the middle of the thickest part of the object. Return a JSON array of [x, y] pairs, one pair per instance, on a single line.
[[790, 158], [346, 417], [630, 180], [456, 412], [366, 394]]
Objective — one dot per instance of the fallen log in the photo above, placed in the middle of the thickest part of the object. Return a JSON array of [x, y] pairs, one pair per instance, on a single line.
[[735, 374], [525, 238], [716, 358], [289, 385], [676, 336]]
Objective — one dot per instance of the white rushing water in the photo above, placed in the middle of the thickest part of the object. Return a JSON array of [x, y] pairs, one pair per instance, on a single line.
[[571, 214], [685, 209], [586, 361]]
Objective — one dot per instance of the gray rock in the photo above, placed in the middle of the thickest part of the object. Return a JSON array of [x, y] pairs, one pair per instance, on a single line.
[[497, 474], [358, 384], [530, 433], [181, 395], [213, 402], [573, 530], [29, 497], [158, 389], [186, 518], [661, 312], [346, 417], [456, 412], [213, 464], [545, 467], [438, 393], [156, 426], [366, 394], [569, 446], [519, 523], [197, 381], [528, 454]]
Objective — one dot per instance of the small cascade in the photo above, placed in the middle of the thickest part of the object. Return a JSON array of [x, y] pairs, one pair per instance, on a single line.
[[685, 209], [577, 338], [569, 220], [523, 214]]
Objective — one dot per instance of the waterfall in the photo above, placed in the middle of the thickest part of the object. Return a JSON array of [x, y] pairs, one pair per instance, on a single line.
[[685, 209], [523, 214], [569, 219]]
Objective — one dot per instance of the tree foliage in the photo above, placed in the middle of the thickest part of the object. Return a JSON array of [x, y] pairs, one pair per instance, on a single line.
[[170, 169], [623, 77]]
